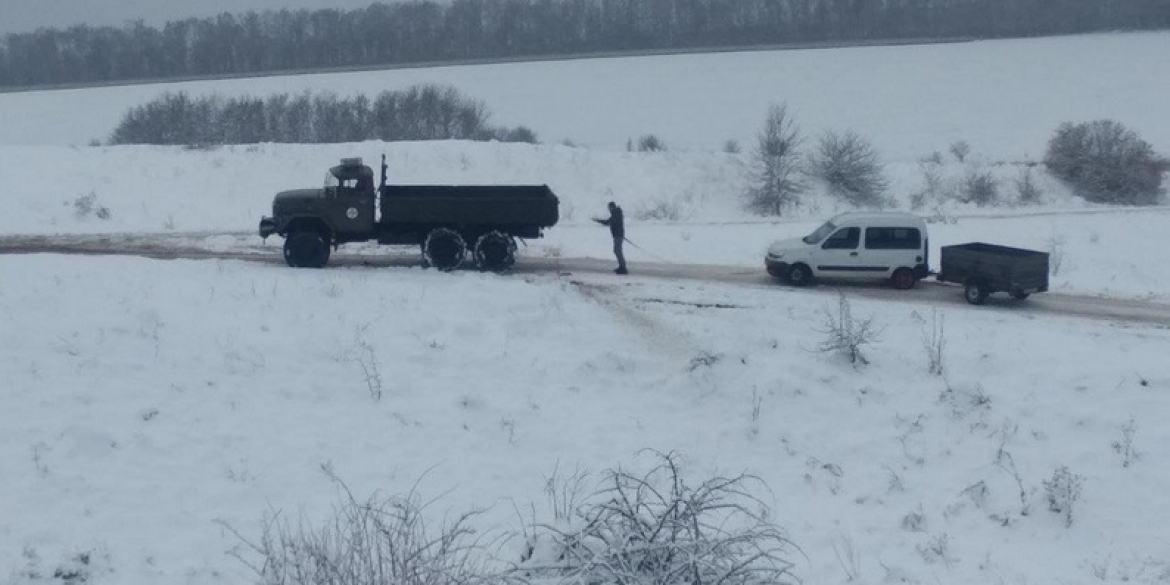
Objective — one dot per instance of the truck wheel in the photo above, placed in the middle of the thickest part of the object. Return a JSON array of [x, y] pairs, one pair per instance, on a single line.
[[799, 275], [306, 250], [495, 251], [975, 292], [444, 249], [903, 279], [1020, 295]]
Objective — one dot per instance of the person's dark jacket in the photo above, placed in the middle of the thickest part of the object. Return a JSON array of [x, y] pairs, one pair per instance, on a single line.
[[616, 222]]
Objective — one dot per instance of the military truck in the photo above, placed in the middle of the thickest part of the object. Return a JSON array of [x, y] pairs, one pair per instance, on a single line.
[[447, 221]]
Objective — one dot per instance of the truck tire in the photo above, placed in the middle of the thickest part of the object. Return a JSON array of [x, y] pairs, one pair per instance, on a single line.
[[306, 250], [1020, 295], [903, 279], [495, 251], [799, 275], [975, 292], [444, 249]]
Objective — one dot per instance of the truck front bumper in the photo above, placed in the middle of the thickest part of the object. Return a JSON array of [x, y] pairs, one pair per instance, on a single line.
[[267, 227]]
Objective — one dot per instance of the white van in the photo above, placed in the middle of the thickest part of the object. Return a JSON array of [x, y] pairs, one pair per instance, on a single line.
[[857, 245]]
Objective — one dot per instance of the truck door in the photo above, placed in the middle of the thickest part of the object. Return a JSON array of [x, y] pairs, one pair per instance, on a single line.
[[839, 256], [350, 210]]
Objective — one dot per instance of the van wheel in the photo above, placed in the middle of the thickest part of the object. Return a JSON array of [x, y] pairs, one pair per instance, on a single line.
[[1020, 295], [903, 279], [799, 275], [306, 250], [975, 292]]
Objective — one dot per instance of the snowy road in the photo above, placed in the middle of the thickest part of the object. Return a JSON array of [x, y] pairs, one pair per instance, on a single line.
[[235, 246]]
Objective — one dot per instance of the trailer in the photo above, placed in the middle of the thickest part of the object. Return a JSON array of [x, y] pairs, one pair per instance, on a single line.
[[984, 269]]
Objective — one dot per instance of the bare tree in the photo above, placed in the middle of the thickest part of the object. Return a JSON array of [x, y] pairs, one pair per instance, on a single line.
[[779, 183]]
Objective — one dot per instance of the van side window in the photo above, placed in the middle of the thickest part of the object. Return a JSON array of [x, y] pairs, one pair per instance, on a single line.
[[843, 239], [895, 238]]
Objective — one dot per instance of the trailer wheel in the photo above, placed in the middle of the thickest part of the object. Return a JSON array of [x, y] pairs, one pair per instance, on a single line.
[[975, 292], [495, 251], [903, 279], [306, 250], [444, 249], [799, 275], [1020, 295]]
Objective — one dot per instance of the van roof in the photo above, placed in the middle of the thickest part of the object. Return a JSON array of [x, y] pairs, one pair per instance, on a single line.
[[878, 219]]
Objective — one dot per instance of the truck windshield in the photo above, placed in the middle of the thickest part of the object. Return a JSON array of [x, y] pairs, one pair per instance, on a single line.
[[331, 181], [821, 233]]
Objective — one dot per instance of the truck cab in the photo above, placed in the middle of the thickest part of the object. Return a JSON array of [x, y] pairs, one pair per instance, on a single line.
[[349, 201]]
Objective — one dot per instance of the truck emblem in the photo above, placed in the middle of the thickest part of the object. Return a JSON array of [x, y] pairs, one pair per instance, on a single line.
[[351, 213]]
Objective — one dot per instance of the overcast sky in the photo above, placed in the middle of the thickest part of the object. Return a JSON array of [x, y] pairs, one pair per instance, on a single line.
[[28, 15]]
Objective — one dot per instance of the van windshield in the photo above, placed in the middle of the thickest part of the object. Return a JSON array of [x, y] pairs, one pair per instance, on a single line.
[[821, 233]]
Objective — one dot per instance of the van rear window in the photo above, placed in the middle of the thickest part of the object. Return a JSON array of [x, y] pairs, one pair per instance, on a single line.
[[895, 238]]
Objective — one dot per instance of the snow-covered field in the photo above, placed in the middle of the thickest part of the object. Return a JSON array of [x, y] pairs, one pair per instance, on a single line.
[[1003, 97], [145, 401]]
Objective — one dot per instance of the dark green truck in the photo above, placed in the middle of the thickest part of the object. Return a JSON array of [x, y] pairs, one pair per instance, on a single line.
[[447, 221]]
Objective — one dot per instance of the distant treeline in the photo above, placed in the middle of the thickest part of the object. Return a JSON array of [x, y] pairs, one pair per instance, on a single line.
[[425, 112], [426, 30]]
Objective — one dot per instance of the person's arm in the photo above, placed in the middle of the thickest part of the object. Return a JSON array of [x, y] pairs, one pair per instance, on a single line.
[[602, 221]]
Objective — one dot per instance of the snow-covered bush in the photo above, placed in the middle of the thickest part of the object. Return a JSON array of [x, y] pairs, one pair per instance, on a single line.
[[1027, 192], [371, 542], [656, 528], [934, 342], [850, 167], [1062, 491], [88, 205], [980, 188], [960, 150], [1105, 162], [845, 333]]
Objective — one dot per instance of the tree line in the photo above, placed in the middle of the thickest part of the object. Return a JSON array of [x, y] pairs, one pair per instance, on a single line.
[[429, 31], [423, 112]]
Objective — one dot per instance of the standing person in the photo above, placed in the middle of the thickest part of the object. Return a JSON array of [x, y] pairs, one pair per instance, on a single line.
[[617, 228]]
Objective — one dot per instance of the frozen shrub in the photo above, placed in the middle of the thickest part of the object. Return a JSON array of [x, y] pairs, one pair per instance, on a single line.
[[656, 528], [517, 134], [778, 181], [845, 333], [1062, 491], [731, 147], [88, 205], [849, 166], [1027, 192], [368, 542], [650, 143], [980, 188], [960, 150], [1105, 162], [660, 209]]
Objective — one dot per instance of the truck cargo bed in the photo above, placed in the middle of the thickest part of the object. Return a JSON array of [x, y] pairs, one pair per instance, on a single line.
[[500, 205]]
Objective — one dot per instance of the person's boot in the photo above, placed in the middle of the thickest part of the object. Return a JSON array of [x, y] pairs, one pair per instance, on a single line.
[[621, 270]]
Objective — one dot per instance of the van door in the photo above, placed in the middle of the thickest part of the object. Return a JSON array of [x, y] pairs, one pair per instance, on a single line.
[[889, 248], [839, 254]]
